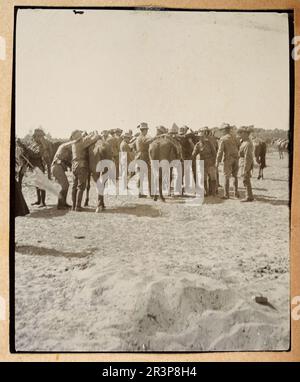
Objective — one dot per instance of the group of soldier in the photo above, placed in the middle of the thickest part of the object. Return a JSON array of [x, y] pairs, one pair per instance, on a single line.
[[234, 149]]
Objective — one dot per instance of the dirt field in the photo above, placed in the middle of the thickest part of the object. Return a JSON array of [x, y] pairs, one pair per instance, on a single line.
[[146, 276]]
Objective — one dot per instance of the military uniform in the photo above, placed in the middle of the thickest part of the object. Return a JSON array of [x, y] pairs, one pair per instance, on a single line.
[[207, 153], [246, 164], [125, 148], [45, 149], [229, 151], [142, 153], [61, 161], [80, 168], [114, 143]]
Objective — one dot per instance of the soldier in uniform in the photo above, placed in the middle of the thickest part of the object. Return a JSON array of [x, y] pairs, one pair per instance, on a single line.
[[142, 153], [229, 151], [187, 147], [246, 155], [160, 130], [113, 141], [214, 140], [104, 134], [44, 148], [61, 162], [207, 153], [125, 148], [80, 166]]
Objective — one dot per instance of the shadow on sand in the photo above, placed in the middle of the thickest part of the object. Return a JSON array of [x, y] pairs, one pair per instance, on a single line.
[[139, 210], [43, 251], [47, 212], [271, 200]]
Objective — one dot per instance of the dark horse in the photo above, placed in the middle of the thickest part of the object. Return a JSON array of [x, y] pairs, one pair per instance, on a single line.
[[26, 159], [260, 151], [29, 156]]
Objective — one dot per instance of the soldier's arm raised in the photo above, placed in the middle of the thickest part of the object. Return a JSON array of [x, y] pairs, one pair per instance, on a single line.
[[196, 151], [90, 139]]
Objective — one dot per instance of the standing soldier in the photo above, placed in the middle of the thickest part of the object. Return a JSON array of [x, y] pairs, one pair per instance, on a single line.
[[215, 142], [104, 134], [43, 147], [160, 130], [207, 153], [80, 167], [229, 152], [142, 153], [113, 141], [187, 147], [246, 155], [118, 136], [61, 161], [125, 148]]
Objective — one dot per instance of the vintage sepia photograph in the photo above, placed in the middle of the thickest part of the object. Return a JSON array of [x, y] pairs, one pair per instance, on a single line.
[[152, 159]]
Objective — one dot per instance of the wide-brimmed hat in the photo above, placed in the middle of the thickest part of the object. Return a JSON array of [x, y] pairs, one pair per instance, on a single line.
[[174, 129], [245, 129], [76, 134], [38, 133], [183, 129], [161, 129], [225, 126], [143, 126], [119, 131]]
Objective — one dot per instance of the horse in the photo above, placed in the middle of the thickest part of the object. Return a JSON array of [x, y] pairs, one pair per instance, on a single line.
[[260, 150], [282, 146], [32, 155]]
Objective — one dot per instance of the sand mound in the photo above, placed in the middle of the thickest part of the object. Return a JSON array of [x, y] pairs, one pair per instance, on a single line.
[[200, 314]]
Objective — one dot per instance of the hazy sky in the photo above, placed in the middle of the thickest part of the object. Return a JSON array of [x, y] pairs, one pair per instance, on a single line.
[[107, 69]]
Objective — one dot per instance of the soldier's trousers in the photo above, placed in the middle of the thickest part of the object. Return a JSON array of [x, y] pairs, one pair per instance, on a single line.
[[140, 178], [210, 175], [231, 167], [80, 175], [59, 174], [117, 162], [247, 184]]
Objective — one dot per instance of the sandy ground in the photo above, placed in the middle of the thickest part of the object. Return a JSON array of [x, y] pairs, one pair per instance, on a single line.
[[146, 276]]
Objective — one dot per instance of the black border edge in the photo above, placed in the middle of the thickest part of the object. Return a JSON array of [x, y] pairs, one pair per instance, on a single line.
[[12, 348]]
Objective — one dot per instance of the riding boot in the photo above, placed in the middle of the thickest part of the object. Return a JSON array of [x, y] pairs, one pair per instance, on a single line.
[[65, 194], [74, 194], [209, 186], [38, 196], [61, 204], [236, 188], [249, 194], [205, 188], [213, 187], [226, 190], [78, 201], [43, 198]]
